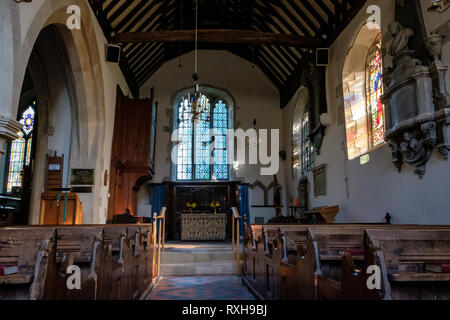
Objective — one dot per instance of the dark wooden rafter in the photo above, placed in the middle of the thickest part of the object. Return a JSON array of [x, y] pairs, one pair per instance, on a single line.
[[278, 36], [218, 36], [97, 7]]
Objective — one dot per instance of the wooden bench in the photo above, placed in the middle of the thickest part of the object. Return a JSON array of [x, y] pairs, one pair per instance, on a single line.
[[83, 247], [115, 260], [334, 254], [263, 255], [33, 252], [401, 255]]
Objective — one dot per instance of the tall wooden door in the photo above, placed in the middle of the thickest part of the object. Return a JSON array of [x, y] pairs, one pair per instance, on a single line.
[[132, 152]]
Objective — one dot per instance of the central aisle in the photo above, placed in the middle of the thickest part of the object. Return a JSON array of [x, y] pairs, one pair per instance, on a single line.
[[199, 271], [201, 288]]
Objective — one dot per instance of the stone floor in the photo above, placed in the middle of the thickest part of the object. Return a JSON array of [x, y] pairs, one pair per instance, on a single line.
[[198, 259], [201, 288], [180, 246]]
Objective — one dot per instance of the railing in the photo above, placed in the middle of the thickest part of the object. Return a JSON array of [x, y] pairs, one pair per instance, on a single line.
[[159, 227], [235, 235]]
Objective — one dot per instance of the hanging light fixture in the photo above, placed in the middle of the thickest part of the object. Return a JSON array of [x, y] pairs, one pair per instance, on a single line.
[[439, 6], [197, 104]]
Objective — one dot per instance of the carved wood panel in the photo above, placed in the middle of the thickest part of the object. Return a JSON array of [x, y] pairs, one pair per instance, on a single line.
[[131, 159]]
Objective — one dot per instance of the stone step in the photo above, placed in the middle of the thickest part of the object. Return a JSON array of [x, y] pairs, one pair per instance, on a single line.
[[195, 257], [198, 268]]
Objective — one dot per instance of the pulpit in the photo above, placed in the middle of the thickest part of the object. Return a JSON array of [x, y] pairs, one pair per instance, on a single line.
[[56, 209]]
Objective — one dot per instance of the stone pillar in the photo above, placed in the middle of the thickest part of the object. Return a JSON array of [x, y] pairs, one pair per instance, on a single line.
[[8, 132]]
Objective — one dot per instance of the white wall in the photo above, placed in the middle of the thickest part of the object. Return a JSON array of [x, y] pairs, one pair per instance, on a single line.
[[377, 187], [254, 94]]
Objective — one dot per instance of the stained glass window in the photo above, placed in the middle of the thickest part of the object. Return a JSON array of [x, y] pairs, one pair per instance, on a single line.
[[220, 126], [374, 91], [185, 132], [363, 88], [297, 142], [202, 145], [202, 149], [307, 146], [20, 154]]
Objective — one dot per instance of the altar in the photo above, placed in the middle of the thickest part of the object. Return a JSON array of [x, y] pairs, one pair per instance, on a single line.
[[203, 227], [196, 223]]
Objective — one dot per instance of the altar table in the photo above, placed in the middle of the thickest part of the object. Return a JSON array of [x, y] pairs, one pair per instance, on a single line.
[[206, 227]]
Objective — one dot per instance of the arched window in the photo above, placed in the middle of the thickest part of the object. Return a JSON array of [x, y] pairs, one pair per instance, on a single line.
[[202, 146], [374, 91], [302, 148], [307, 146], [20, 154], [363, 87]]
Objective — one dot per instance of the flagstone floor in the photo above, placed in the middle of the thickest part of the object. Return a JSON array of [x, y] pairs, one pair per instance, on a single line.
[[201, 288]]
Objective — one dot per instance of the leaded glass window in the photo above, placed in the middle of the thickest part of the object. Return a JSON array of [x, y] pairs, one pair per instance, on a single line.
[[307, 146], [374, 91], [202, 145], [220, 127], [20, 154]]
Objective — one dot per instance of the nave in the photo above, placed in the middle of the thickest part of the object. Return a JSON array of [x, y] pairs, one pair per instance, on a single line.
[[290, 150]]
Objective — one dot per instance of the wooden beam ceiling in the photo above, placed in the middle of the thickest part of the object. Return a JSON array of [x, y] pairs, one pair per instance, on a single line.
[[277, 35], [219, 36]]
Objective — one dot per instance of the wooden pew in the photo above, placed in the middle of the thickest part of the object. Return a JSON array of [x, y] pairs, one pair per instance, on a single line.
[[335, 253], [141, 260], [147, 247], [323, 259], [82, 246], [401, 255], [263, 256], [33, 252], [113, 262], [250, 257], [315, 270]]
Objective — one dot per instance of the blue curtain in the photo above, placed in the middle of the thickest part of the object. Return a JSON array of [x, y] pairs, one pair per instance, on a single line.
[[158, 199], [244, 208]]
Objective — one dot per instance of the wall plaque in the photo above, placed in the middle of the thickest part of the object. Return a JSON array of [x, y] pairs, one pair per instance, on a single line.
[[320, 181], [84, 177]]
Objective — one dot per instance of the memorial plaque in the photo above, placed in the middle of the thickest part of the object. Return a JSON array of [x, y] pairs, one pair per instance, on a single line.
[[83, 177]]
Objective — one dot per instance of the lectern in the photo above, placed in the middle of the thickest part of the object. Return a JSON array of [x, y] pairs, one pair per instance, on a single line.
[[57, 210]]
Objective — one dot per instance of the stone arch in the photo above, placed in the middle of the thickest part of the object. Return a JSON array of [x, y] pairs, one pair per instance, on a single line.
[[87, 88]]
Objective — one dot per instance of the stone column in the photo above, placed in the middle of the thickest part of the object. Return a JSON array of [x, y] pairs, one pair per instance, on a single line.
[[8, 132]]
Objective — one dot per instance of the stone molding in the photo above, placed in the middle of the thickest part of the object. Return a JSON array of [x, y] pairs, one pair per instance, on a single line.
[[9, 128]]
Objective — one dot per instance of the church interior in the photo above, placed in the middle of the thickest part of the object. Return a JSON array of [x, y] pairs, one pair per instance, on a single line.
[[224, 150]]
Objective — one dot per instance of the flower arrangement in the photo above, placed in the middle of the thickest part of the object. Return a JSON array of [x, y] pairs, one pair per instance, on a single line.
[[191, 206], [215, 205]]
